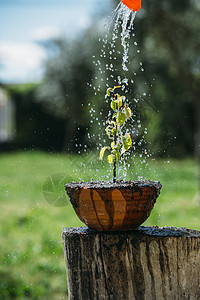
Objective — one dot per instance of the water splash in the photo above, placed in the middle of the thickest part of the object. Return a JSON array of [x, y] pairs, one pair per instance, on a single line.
[[114, 48], [119, 28]]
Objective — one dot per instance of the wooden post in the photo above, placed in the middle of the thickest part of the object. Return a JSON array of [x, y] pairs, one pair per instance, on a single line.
[[150, 263]]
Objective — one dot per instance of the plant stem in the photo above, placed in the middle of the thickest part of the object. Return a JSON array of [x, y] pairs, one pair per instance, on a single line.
[[115, 140], [114, 171], [115, 163]]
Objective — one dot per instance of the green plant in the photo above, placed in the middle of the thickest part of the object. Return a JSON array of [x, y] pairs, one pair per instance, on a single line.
[[116, 131]]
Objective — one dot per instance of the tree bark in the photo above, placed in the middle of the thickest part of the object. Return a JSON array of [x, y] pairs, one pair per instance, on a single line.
[[148, 263]]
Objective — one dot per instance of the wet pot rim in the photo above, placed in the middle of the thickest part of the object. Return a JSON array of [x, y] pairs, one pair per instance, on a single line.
[[110, 185]]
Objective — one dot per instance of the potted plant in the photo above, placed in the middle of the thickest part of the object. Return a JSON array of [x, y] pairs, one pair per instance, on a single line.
[[114, 205]]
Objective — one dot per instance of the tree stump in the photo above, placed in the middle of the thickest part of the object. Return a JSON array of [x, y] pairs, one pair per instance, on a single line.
[[144, 264]]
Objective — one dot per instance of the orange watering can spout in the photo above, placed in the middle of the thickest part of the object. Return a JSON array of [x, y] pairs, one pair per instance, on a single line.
[[134, 5]]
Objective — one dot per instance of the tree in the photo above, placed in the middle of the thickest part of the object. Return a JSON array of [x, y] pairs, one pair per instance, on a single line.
[[63, 89], [167, 33]]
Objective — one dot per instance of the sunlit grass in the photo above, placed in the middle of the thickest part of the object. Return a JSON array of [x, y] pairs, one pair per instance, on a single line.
[[31, 253]]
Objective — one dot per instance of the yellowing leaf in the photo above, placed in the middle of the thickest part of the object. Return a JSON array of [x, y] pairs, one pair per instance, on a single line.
[[107, 130], [108, 91], [110, 159], [127, 142], [128, 112], [113, 123], [101, 155], [113, 145], [113, 105], [121, 118]]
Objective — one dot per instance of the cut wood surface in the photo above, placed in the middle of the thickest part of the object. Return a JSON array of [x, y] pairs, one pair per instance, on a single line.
[[144, 264]]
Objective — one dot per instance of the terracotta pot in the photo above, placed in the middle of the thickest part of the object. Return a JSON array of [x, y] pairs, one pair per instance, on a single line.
[[108, 206]]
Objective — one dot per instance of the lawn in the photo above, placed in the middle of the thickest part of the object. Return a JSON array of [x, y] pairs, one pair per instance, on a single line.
[[32, 218]]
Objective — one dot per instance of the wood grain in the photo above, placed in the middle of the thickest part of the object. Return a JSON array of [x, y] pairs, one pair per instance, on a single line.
[[150, 263]]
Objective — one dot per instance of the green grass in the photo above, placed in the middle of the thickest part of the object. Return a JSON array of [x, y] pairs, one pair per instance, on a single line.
[[31, 253]]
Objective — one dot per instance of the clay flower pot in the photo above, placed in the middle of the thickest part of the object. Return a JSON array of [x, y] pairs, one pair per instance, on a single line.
[[108, 206]]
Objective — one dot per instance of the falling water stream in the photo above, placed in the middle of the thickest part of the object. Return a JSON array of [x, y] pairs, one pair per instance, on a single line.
[[119, 25]]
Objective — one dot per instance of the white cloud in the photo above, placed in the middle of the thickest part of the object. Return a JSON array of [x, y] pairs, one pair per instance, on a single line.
[[21, 62], [45, 33]]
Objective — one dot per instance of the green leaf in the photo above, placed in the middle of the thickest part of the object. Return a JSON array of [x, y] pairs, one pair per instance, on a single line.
[[113, 105], [108, 91], [110, 159], [128, 112], [101, 155], [118, 147], [127, 142], [121, 118], [119, 102]]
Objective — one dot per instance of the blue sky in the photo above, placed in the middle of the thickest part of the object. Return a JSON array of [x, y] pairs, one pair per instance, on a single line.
[[24, 22]]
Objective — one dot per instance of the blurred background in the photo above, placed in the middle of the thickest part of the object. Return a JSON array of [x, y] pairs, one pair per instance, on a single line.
[[48, 89]]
